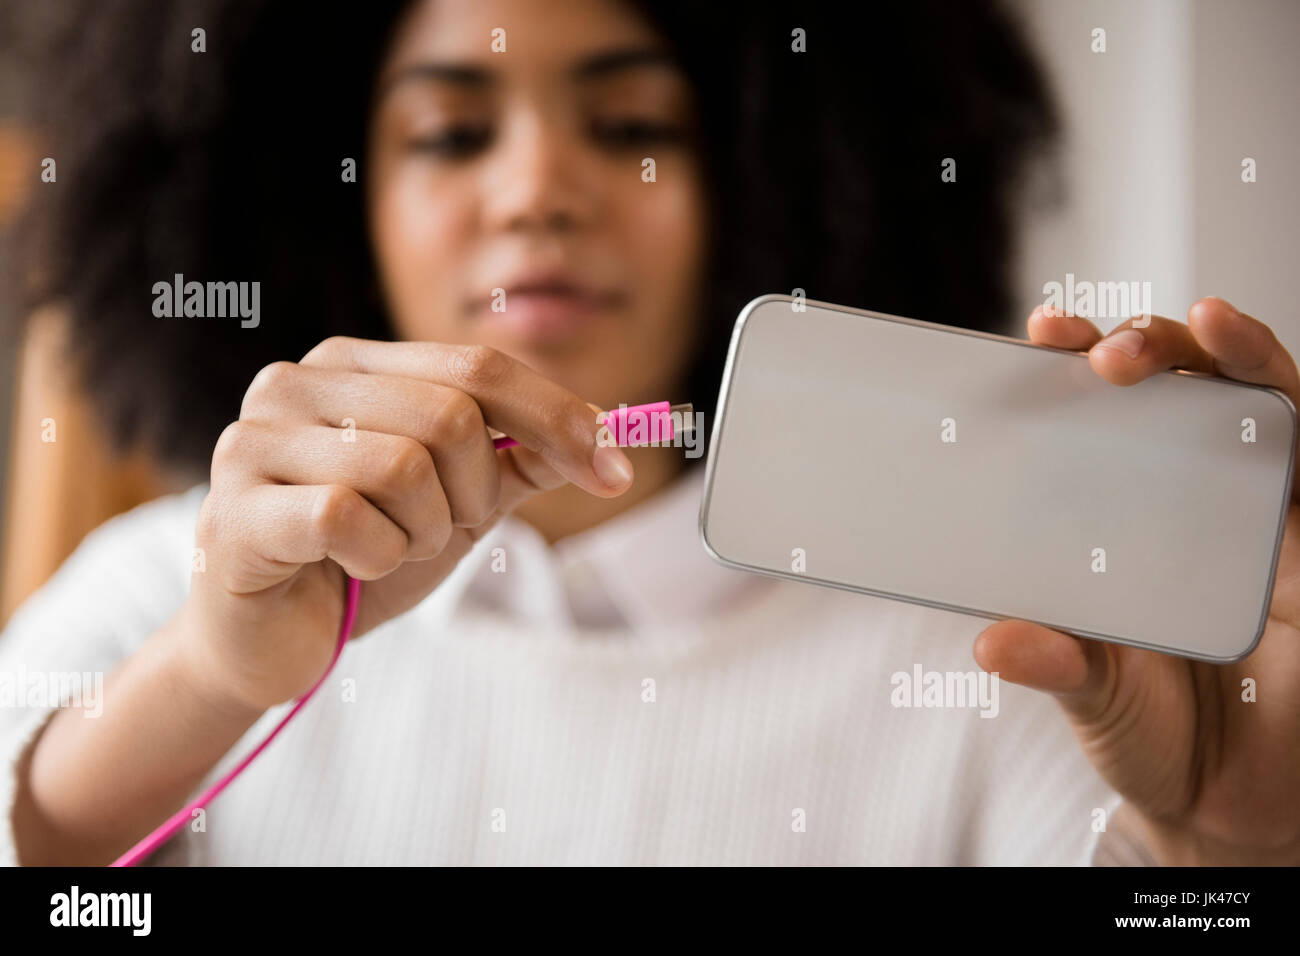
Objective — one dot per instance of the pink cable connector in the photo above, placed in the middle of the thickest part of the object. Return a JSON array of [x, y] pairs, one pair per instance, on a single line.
[[635, 425]]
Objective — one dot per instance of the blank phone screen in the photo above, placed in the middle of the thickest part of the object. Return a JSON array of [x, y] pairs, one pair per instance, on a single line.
[[986, 475]]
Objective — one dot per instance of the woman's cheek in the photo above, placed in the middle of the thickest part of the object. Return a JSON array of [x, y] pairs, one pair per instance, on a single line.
[[427, 212], [421, 242], [667, 229]]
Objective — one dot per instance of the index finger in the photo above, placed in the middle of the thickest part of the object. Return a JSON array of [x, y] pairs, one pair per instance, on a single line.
[[1243, 347], [542, 415]]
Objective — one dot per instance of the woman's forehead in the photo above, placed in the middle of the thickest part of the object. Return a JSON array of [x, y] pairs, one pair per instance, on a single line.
[[497, 36]]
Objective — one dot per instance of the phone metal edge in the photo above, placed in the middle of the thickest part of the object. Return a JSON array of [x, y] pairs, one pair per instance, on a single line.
[[720, 414]]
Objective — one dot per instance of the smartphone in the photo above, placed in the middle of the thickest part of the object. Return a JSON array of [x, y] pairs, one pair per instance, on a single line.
[[987, 475]]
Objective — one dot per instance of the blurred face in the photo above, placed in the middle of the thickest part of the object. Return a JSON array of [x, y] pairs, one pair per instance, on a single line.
[[506, 195]]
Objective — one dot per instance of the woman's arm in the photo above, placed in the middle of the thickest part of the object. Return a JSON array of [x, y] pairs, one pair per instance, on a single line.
[[88, 789], [395, 498]]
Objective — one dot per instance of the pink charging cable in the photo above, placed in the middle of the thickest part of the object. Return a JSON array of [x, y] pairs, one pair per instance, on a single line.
[[165, 832], [629, 425]]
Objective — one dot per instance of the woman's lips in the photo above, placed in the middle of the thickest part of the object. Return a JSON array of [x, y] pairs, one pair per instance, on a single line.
[[545, 315]]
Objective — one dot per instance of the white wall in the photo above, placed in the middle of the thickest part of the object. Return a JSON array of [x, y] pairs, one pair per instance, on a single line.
[[1155, 131]]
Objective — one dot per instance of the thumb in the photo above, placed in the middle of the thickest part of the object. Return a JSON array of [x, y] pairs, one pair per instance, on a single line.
[[523, 474], [1080, 673]]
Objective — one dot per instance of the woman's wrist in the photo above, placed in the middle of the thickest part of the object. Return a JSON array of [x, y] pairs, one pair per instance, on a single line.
[[195, 673]]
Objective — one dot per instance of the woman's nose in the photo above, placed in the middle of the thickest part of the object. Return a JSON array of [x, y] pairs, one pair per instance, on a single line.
[[537, 180]]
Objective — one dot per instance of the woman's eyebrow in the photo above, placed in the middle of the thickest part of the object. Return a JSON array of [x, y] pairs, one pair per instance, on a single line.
[[595, 66], [612, 61], [457, 74]]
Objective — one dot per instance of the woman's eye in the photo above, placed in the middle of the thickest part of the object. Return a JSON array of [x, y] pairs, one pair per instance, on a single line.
[[454, 142], [622, 133]]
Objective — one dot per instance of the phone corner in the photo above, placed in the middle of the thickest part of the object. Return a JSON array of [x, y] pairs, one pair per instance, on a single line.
[[707, 545], [763, 299], [702, 527], [1251, 644], [1290, 406], [751, 307], [1233, 657]]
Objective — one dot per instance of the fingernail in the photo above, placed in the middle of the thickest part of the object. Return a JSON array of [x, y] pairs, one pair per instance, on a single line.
[[611, 466], [1129, 341]]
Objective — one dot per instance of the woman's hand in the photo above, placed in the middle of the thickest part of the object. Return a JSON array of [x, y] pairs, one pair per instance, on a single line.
[[1209, 778], [371, 458]]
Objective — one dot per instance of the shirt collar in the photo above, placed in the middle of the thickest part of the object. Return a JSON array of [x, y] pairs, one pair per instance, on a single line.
[[645, 569]]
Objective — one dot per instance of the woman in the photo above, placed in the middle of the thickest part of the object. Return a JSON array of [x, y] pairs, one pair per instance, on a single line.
[[525, 693]]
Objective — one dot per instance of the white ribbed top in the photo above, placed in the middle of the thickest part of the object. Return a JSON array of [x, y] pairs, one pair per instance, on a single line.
[[510, 719]]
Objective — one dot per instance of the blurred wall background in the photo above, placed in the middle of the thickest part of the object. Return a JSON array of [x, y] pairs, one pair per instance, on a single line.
[[1156, 129]]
